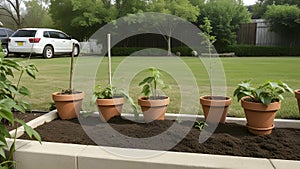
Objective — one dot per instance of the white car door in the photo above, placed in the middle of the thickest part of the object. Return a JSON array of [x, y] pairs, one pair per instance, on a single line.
[[56, 41], [66, 42]]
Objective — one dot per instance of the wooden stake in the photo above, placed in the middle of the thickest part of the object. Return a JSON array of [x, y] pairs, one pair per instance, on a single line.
[[109, 58], [72, 69]]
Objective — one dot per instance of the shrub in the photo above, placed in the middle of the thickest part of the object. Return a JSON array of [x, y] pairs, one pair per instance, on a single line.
[[248, 50], [124, 51], [184, 50]]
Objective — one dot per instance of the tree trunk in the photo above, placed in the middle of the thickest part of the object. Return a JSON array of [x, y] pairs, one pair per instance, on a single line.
[[169, 46], [18, 14]]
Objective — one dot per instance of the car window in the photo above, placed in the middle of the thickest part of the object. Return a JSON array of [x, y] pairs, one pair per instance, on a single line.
[[54, 34], [46, 34], [2, 33], [58, 35], [63, 36], [9, 32], [24, 33]]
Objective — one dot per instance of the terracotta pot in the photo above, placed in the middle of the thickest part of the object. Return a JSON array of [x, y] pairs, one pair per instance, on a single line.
[[68, 105], [214, 107], [109, 108], [154, 109], [260, 118], [297, 95]]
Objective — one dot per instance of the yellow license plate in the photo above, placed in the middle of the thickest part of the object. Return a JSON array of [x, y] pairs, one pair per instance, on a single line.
[[20, 43]]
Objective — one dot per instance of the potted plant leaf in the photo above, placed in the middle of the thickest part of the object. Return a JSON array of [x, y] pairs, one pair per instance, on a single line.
[[154, 106], [297, 95], [110, 102], [68, 102], [261, 104], [213, 105]]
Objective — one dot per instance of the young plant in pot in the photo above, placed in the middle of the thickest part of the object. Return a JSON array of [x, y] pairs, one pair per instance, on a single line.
[[68, 102], [261, 104], [154, 106], [297, 95], [213, 106], [110, 102]]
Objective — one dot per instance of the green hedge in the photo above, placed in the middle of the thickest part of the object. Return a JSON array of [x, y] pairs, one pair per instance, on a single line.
[[184, 51], [246, 50], [124, 51], [239, 50]]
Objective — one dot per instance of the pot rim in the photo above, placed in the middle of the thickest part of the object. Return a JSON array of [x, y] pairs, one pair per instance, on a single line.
[[204, 100], [259, 106], [110, 102], [57, 96], [153, 103]]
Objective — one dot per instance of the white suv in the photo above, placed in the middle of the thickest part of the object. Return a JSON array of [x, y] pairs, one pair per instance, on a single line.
[[46, 42]]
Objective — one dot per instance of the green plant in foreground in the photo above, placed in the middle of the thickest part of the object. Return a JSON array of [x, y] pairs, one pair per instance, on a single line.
[[150, 84], [267, 93], [200, 125], [8, 102], [110, 92]]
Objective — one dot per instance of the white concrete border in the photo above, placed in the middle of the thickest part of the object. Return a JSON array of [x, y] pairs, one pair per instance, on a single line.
[[32, 155], [48, 117]]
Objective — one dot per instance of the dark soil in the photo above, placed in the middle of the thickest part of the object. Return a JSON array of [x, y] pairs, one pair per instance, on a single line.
[[228, 139], [23, 116]]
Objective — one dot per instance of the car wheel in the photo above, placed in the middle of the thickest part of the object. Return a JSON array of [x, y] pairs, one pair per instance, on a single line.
[[48, 52], [5, 50], [76, 51]]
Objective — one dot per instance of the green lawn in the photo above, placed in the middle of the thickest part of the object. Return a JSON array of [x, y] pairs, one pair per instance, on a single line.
[[53, 76]]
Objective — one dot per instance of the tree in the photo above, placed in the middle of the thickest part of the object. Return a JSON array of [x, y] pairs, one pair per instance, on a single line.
[[260, 7], [12, 9], [81, 18], [37, 15], [125, 7], [284, 19], [181, 8], [225, 17]]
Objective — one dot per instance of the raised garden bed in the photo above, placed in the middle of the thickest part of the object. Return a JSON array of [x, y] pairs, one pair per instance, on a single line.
[[228, 139], [25, 117], [76, 156]]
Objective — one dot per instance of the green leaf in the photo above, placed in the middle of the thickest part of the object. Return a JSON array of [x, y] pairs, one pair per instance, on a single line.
[[4, 132], [146, 90], [7, 103], [11, 63], [286, 87], [7, 114], [2, 85], [2, 143], [30, 132], [20, 108], [4, 167], [12, 149], [266, 99], [146, 80], [31, 70], [245, 84], [24, 91], [2, 153]]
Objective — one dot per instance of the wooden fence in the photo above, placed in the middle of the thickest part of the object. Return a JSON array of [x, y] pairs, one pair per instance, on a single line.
[[258, 33]]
